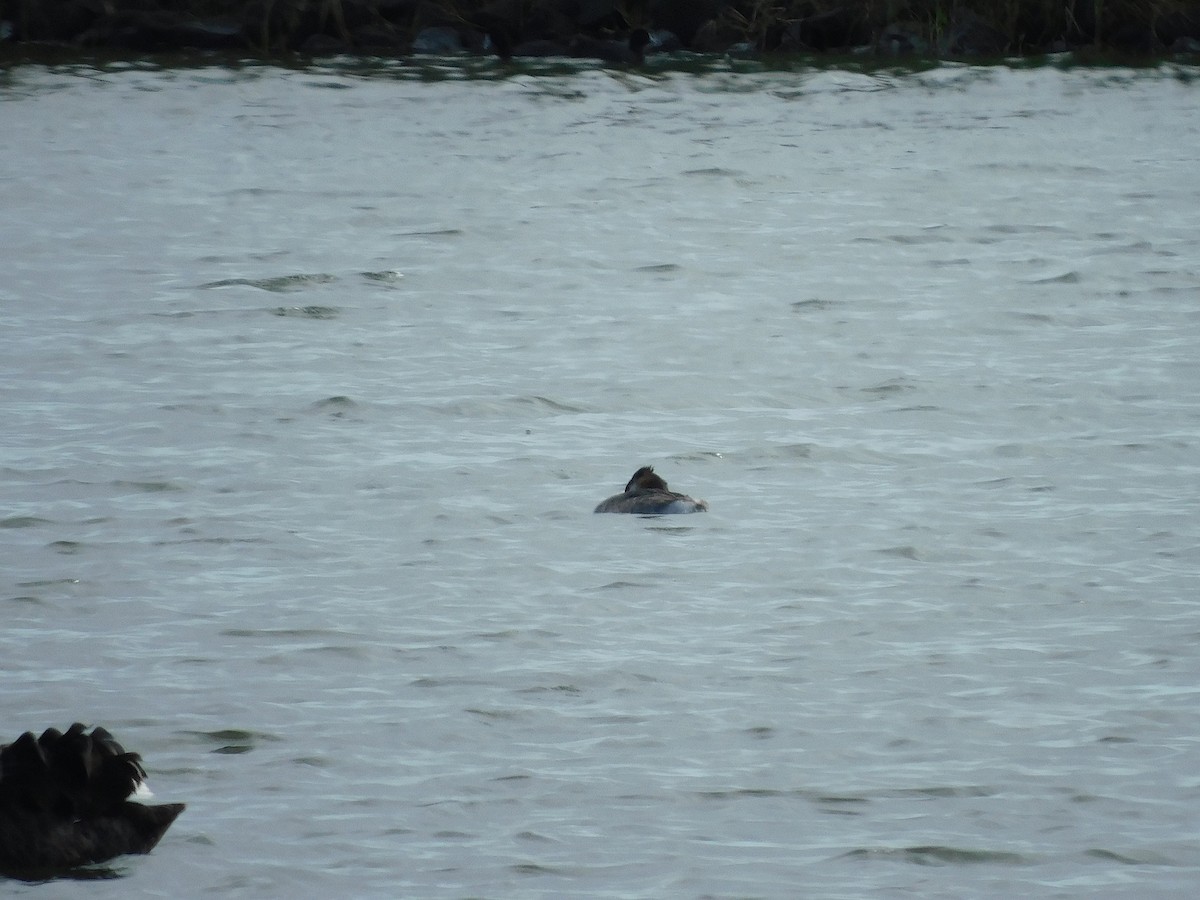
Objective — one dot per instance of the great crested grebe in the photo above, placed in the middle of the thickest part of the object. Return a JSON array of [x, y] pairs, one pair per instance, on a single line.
[[647, 495], [69, 800]]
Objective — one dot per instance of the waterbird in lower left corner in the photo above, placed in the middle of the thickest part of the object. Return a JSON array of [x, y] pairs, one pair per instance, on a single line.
[[70, 800]]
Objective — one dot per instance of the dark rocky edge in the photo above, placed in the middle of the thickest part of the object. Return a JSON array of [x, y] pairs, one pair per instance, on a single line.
[[612, 31]]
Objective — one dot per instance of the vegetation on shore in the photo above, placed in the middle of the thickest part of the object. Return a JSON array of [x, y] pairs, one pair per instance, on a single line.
[[946, 28]]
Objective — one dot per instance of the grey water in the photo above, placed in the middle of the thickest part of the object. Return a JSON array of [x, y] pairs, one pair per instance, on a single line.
[[312, 378]]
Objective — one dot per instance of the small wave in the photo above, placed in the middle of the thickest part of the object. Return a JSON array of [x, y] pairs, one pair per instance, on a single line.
[[275, 633], [306, 312], [478, 408], [548, 403], [493, 713], [831, 800], [925, 238], [211, 541], [233, 740], [1144, 858], [146, 487], [536, 837], [336, 406], [794, 451], [905, 552], [436, 232], [279, 284], [24, 522], [715, 171], [316, 762], [47, 582], [1071, 277], [387, 276], [937, 855], [734, 793], [1025, 229], [895, 386], [536, 869], [947, 791], [551, 689], [815, 304]]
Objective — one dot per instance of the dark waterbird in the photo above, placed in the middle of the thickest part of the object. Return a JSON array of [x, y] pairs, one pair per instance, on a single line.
[[65, 801], [647, 494]]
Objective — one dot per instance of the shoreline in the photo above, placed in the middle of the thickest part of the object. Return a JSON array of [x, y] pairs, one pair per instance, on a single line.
[[611, 32]]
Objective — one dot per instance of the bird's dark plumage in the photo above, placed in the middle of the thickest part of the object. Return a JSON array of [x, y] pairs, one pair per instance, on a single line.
[[64, 802], [647, 494]]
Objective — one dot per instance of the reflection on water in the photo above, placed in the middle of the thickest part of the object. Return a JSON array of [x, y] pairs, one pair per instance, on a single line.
[[311, 392]]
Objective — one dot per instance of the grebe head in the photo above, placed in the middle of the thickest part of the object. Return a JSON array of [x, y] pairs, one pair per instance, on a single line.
[[645, 479]]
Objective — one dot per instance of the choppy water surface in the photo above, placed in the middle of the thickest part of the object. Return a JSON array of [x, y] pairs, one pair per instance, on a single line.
[[312, 379]]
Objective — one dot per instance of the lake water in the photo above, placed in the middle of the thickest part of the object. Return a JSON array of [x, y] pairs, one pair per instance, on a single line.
[[312, 379]]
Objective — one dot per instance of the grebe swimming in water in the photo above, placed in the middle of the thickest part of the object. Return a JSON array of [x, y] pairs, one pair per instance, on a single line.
[[647, 494], [69, 800]]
